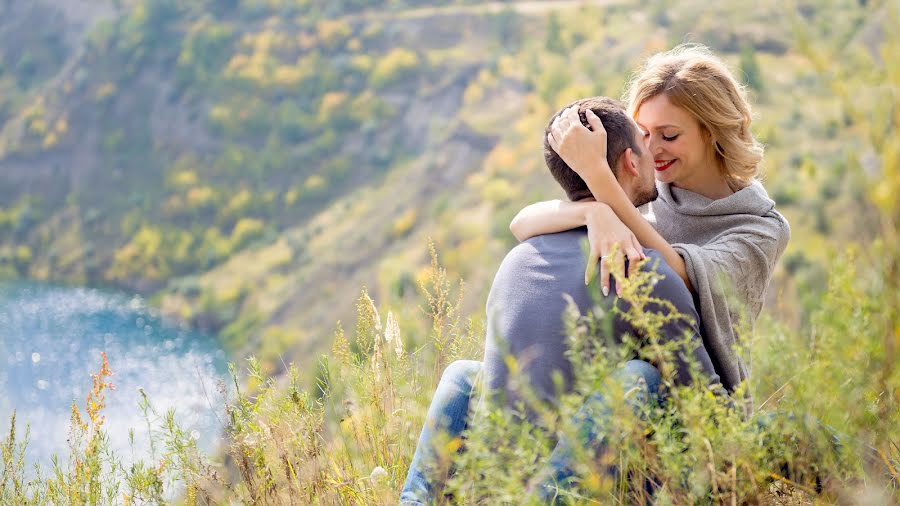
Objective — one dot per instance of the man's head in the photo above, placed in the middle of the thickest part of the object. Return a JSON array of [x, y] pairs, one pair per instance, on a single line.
[[625, 153]]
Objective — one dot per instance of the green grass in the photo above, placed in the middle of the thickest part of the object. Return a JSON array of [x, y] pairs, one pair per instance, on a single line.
[[349, 438]]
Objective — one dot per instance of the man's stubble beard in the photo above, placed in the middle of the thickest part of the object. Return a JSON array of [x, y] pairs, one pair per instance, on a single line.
[[646, 196]]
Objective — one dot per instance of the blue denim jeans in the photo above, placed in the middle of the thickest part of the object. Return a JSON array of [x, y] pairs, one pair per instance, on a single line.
[[641, 382], [449, 413]]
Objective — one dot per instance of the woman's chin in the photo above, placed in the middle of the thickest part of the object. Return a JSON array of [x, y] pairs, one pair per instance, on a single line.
[[664, 176]]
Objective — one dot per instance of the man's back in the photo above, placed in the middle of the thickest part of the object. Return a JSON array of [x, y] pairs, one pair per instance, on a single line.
[[525, 315], [525, 310]]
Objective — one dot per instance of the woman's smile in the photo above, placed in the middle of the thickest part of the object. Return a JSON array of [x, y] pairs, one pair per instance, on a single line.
[[662, 165]]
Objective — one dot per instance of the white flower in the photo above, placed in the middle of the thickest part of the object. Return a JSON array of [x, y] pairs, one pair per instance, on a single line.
[[392, 334], [378, 474]]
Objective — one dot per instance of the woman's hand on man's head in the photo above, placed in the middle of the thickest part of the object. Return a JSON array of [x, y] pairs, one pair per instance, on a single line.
[[583, 149]]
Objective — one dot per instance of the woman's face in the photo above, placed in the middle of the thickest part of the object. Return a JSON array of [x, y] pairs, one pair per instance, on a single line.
[[676, 140]]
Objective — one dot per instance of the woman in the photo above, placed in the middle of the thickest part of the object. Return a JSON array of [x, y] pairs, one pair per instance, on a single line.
[[712, 218]]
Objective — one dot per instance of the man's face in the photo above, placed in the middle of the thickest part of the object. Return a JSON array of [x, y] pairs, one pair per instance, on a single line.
[[644, 190]]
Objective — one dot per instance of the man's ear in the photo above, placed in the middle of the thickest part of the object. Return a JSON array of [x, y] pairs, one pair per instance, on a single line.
[[629, 162]]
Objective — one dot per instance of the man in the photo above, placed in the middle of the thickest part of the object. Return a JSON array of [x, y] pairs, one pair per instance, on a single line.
[[526, 303]]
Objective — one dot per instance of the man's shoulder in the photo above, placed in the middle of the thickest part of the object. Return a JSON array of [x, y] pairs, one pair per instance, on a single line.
[[535, 272], [562, 239], [544, 255], [545, 245]]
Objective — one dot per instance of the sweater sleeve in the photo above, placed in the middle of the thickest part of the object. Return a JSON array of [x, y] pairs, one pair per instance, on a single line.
[[744, 258]]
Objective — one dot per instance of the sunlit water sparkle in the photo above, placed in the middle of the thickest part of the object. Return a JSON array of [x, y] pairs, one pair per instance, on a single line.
[[51, 339]]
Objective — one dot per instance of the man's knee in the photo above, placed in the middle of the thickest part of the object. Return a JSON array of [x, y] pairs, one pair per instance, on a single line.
[[461, 374], [641, 374]]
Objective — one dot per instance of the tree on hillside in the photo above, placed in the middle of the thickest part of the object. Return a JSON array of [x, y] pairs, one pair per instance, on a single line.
[[508, 29], [554, 41], [750, 68]]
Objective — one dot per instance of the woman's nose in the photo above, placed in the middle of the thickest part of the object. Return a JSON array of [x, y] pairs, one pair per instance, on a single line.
[[653, 145]]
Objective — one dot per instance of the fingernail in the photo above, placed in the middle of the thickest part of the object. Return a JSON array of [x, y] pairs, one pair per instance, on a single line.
[[605, 291]]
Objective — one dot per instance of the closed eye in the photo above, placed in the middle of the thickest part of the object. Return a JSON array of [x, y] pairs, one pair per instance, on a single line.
[[670, 138]]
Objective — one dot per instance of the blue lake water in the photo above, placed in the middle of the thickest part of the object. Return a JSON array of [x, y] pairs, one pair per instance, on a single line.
[[51, 339]]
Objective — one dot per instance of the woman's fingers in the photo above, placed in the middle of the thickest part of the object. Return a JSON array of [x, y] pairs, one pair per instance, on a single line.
[[591, 267], [552, 141], [633, 258], [572, 120], [639, 248], [557, 131], [559, 120], [554, 127], [594, 121], [604, 274], [564, 122]]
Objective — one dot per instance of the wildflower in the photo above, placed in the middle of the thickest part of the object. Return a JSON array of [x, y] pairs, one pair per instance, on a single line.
[[378, 474], [392, 334]]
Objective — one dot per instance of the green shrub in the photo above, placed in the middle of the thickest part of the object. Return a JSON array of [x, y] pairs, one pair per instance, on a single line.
[[392, 67], [245, 231]]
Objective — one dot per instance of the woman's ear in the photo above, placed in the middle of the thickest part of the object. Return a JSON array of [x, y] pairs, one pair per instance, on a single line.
[[713, 143]]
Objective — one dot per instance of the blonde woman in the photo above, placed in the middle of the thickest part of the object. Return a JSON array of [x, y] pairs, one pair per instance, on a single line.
[[714, 223]]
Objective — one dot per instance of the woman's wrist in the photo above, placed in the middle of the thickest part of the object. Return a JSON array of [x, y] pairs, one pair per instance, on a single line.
[[600, 180], [597, 212], [598, 173]]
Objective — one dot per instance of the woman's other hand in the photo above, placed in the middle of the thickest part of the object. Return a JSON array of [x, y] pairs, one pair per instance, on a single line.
[[582, 149], [605, 231]]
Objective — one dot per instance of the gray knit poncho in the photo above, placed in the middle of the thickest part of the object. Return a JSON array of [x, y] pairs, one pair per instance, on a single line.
[[735, 240]]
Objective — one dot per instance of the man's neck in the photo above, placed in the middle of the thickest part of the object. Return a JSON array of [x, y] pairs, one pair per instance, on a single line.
[[592, 199]]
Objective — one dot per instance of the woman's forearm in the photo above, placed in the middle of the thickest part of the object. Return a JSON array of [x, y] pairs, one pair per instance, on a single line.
[[549, 217], [606, 189]]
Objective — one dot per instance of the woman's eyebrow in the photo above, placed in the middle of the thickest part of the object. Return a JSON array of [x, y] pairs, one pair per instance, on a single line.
[[658, 127]]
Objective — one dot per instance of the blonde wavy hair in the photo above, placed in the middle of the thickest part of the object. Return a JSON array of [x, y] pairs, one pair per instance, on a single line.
[[693, 78]]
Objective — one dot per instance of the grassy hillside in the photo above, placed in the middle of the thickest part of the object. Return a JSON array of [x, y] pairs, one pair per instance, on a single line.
[[248, 164]]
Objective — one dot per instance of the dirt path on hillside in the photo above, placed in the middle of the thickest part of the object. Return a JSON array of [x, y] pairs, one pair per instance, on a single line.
[[526, 8]]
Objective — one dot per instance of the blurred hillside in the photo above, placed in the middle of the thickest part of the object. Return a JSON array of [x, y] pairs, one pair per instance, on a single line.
[[249, 164]]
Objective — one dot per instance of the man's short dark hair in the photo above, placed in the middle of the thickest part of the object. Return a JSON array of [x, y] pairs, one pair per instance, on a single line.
[[620, 134]]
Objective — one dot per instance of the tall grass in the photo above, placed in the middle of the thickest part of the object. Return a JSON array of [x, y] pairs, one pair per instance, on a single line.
[[350, 439]]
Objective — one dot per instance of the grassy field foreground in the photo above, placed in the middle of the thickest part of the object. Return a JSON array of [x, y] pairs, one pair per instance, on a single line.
[[349, 440]]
